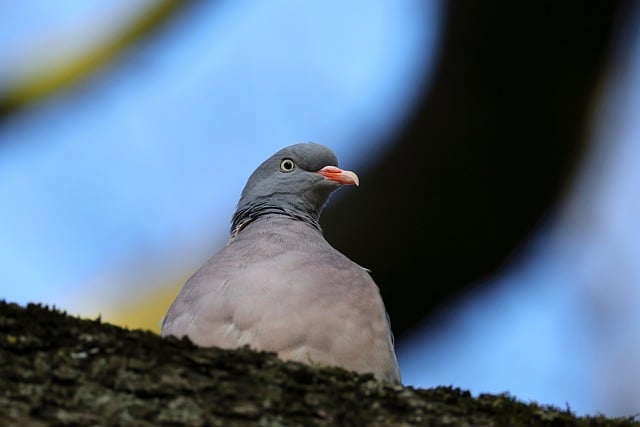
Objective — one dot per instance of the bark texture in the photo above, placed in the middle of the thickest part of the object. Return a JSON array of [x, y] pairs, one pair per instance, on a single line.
[[60, 370]]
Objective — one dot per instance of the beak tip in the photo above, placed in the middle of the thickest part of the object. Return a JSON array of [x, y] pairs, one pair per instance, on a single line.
[[339, 176]]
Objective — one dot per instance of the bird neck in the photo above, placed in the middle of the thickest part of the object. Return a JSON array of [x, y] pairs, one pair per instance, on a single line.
[[247, 214]]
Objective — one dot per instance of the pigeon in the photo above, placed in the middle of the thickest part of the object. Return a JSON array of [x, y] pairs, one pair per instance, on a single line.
[[279, 286]]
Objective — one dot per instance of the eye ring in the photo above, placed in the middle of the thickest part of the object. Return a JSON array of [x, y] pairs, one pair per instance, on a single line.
[[287, 165]]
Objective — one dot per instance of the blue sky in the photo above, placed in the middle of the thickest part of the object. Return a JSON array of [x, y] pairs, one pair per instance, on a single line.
[[146, 160], [132, 178]]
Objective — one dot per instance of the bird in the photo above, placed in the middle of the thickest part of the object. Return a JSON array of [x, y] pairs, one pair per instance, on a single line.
[[277, 285]]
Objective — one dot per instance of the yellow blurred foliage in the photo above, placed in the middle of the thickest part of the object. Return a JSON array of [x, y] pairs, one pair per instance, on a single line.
[[50, 80], [145, 312]]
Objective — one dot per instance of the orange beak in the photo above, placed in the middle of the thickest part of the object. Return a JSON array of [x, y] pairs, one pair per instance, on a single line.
[[334, 173]]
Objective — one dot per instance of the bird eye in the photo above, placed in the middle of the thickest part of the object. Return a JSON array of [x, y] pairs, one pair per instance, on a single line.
[[287, 165]]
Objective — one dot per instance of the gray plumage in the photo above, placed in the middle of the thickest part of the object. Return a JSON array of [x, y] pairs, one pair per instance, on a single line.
[[277, 285]]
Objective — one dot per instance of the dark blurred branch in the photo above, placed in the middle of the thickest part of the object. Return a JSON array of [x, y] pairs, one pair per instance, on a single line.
[[39, 86], [489, 150]]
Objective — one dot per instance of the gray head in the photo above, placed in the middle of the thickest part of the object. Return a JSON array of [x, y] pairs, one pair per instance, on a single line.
[[296, 181]]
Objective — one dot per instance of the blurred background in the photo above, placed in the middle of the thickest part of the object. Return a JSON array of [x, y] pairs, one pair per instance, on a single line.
[[498, 146]]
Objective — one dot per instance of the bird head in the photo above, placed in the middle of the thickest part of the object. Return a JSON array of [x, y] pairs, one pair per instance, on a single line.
[[296, 180]]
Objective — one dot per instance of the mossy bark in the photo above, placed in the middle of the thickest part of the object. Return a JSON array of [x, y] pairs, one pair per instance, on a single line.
[[60, 370]]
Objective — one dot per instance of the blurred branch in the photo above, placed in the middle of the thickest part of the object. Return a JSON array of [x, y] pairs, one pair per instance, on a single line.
[[489, 151], [35, 88]]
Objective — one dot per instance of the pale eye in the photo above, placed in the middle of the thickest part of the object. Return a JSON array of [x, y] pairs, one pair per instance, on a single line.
[[287, 165]]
